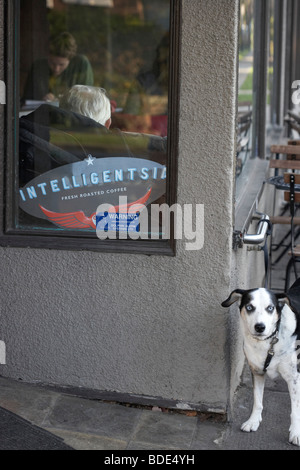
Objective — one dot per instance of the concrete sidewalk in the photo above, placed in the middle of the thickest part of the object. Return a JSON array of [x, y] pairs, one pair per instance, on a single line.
[[273, 432], [86, 424]]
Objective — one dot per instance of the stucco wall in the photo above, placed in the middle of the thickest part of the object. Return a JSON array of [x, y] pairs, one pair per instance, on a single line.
[[144, 325]]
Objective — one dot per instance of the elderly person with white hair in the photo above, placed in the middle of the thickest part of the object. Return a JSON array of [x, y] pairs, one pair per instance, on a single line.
[[88, 101]]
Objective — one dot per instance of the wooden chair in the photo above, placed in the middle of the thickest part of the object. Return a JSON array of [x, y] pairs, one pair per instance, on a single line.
[[293, 198], [290, 184]]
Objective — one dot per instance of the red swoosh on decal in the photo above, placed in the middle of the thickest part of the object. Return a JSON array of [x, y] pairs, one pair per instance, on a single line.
[[80, 220], [70, 219]]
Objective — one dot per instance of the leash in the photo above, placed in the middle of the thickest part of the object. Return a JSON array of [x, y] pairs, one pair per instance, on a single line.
[[271, 352], [266, 251]]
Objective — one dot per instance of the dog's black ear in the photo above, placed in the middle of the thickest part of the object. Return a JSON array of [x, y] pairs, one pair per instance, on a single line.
[[234, 297]]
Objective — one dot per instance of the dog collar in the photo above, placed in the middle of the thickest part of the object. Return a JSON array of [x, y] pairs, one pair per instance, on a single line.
[[271, 352], [275, 333]]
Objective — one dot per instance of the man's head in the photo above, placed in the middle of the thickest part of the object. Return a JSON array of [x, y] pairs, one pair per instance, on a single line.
[[89, 101]]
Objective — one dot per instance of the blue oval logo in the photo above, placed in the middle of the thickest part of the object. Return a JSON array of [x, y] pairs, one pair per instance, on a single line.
[[68, 196]]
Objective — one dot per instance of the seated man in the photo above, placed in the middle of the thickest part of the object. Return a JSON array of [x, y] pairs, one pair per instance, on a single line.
[[53, 136], [70, 162], [50, 77]]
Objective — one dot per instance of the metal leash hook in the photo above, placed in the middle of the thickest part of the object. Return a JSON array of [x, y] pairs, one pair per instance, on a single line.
[[264, 229], [259, 237]]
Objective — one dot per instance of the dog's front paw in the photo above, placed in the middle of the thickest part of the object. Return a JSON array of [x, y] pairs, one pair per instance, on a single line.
[[294, 437], [251, 425]]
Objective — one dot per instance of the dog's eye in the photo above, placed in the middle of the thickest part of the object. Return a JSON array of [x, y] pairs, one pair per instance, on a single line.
[[249, 308], [270, 309]]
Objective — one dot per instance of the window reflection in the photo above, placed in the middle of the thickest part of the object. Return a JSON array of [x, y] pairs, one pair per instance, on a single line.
[[270, 117], [256, 108], [245, 98], [71, 52]]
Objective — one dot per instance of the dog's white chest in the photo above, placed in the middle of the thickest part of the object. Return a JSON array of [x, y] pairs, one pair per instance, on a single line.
[[256, 353], [283, 362]]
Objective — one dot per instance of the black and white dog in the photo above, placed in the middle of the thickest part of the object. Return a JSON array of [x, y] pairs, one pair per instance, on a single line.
[[271, 330]]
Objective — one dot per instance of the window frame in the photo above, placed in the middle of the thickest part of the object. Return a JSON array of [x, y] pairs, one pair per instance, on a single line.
[[10, 236]]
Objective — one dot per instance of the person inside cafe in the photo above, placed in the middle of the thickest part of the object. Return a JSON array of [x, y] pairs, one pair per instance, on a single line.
[[50, 77], [52, 136], [88, 101]]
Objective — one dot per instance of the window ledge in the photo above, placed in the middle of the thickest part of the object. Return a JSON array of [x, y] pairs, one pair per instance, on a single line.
[[249, 191]]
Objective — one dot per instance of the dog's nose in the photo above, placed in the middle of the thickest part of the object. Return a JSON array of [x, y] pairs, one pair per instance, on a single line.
[[260, 327]]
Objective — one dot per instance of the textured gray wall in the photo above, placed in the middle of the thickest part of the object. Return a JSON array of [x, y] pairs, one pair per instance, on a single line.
[[144, 325]]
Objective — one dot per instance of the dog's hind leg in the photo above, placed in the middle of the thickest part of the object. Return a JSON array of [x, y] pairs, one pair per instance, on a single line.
[[253, 422]]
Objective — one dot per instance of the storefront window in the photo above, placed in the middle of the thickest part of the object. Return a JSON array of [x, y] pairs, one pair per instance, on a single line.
[[94, 112], [270, 117], [245, 97], [255, 121], [255, 92]]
